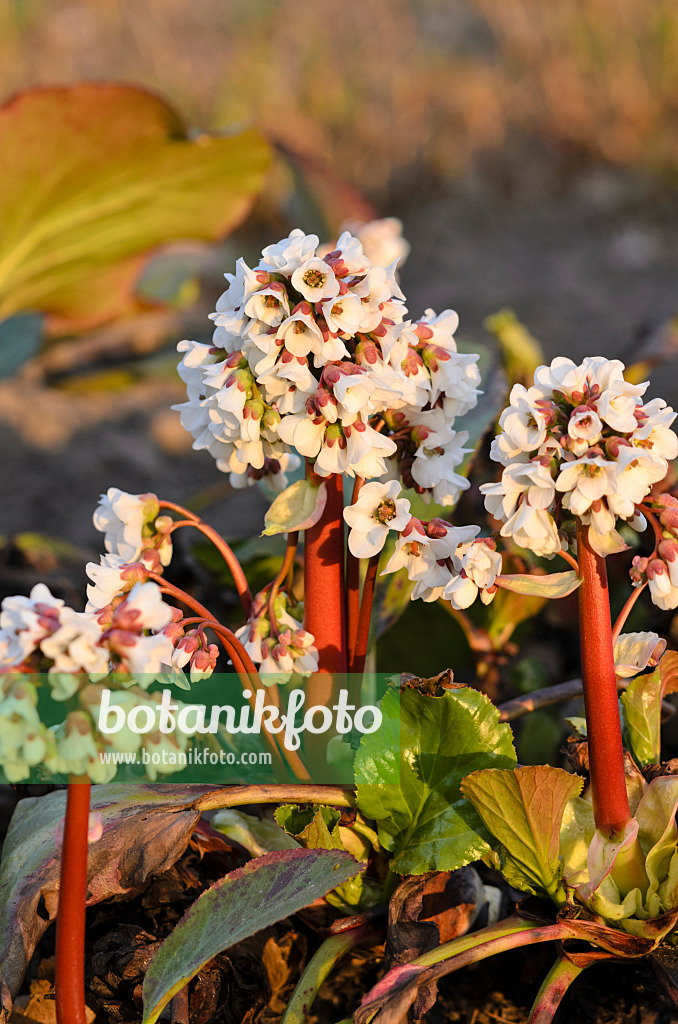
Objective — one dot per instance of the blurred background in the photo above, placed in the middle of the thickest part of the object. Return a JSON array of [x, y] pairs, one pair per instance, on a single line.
[[530, 150]]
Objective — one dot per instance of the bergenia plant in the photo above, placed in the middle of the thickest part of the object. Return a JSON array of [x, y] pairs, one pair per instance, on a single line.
[[315, 371]]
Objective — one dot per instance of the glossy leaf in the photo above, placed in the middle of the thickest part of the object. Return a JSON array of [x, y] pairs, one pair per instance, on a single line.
[[557, 584], [409, 774], [296, 508], [317, 828], [95, 176], [144, 829], [523, 809], [314, 827], [255, 896], [642, 706]]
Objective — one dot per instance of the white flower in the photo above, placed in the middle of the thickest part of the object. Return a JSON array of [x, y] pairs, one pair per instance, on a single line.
[[77, 750], [523, 422], [126, 521], [25, 621], [585, 425], [434, 467], [414, 553], [285, 256], [74, 648], [315, 280], [533, 528], [477, 566], [586, 480], [382, 240], [377, 510]]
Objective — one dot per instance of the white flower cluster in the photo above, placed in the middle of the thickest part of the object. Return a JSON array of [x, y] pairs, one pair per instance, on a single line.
[[40, 634], [313, 357], [442, 560], [578, 443], [126, 639], [660, 570], [277, 643]]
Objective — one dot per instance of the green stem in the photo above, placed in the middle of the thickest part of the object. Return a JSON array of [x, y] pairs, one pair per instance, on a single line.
[[319, 967], [554, 987]]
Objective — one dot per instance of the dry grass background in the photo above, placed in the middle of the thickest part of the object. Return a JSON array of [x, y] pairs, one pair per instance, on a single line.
[[394, 92]]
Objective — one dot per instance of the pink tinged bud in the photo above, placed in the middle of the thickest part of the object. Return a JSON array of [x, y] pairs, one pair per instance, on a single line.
[[437, 528], [300, 639], [656, 568], [379, 332], [423, 332], [190, 643], [204, 661], [366, 352], [413, 527], [279, 652], [174, 631], [668, 550]]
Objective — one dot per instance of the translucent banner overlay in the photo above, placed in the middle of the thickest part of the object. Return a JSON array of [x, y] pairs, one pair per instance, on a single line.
[[224, 730]]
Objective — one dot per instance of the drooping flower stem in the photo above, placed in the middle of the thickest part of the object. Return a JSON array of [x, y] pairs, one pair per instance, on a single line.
[[606, 756], [363, 633], [69, 970], [224, 549], [324, 583]]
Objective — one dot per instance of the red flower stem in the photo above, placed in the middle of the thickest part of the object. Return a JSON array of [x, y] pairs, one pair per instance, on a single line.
[[69, 969], [288, 562], [249, 677], [229, 558], [606, 757], [626, 610], [655, 524], [353, 586], [324, 587], [363, 635], [570, 560]]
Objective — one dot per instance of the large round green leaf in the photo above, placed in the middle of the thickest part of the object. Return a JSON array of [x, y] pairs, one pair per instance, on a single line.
[[92, 178], [409, 772]]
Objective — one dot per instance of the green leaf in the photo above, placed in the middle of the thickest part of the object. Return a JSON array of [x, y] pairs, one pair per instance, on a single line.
[[409, 774], [296, 508], [557, 584], [255, 896], [95, 176], [642, 704], [523, 809], [316, 828], [20, 338], [256, 835]]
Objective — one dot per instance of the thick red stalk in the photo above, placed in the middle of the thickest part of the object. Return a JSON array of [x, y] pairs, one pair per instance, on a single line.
[[69, 969], [324, 582], [606, 756]]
